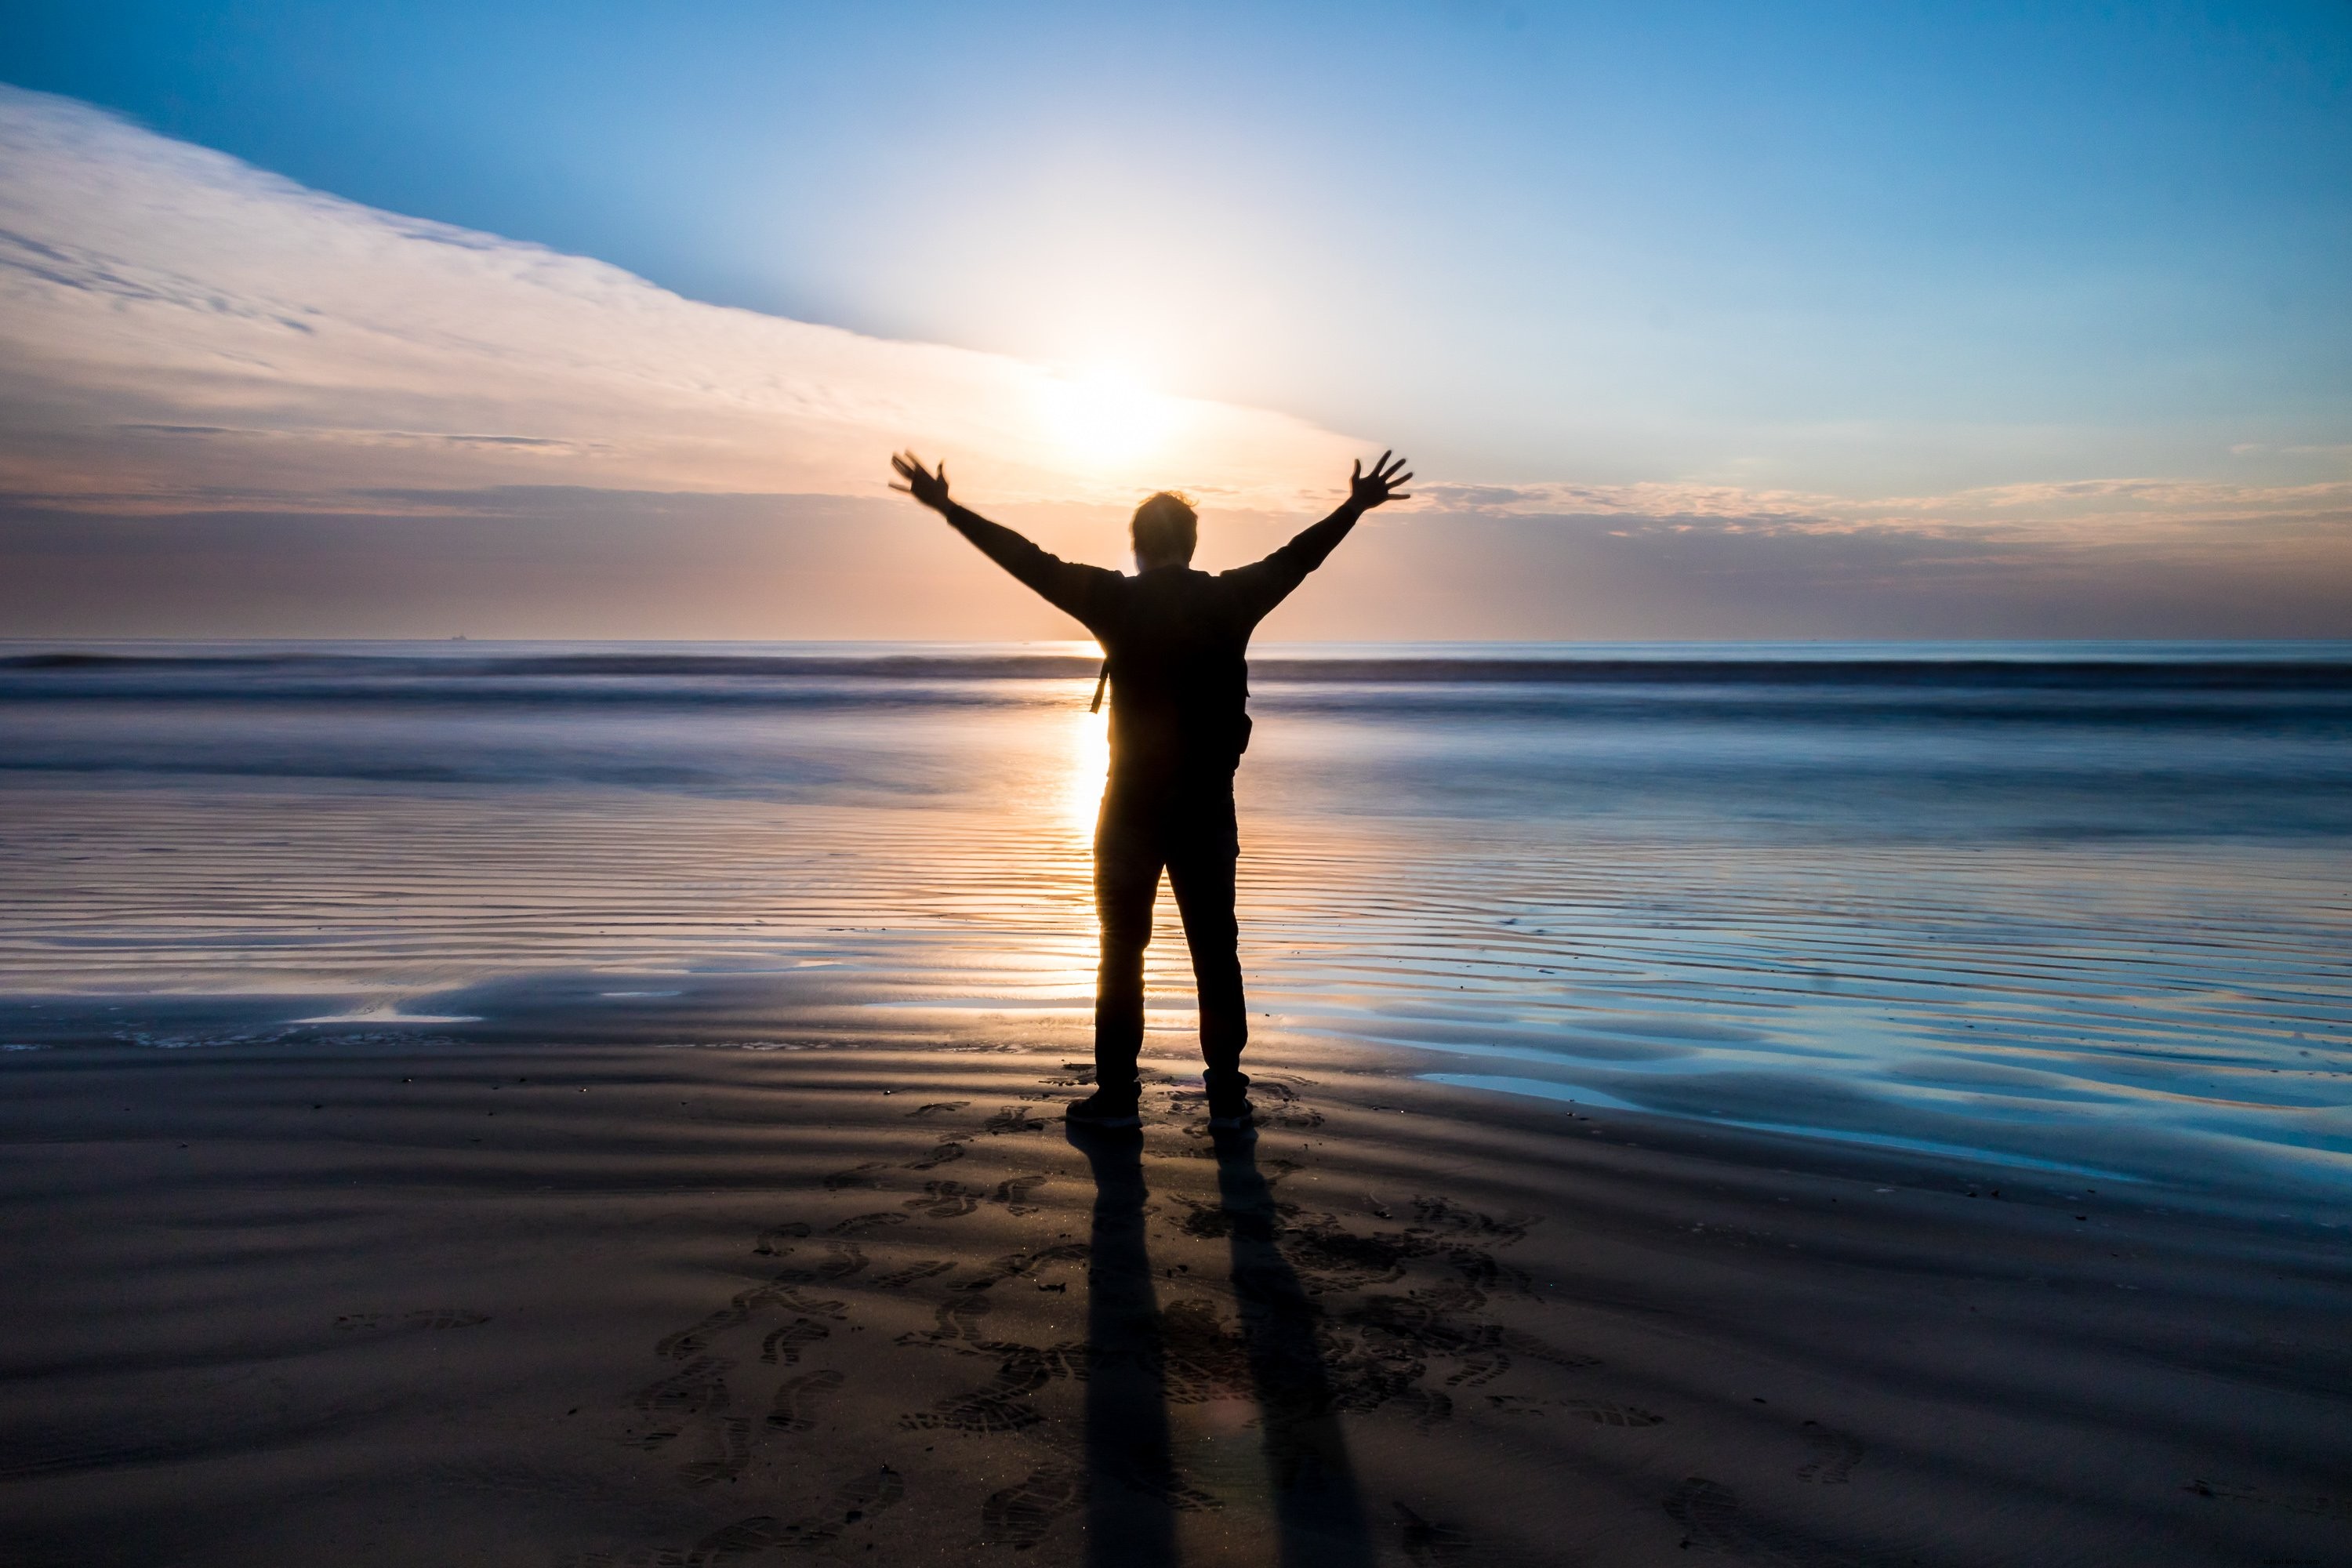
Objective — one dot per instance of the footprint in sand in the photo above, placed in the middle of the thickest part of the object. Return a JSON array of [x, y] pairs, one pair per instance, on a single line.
[[983, 1413], [1535, 1348], [1483, 1359], [1013, 1265], [1602, 1414], [946, 1200], [1329, 1257], [857, 1500], [802, 1301], [1019, 1516], [938, 1107], [858, 1222], [1200, 1358], [1427, 1541], [959, 1318], [699, 1386], [1012, 1119], [743, 1539], [797, 1397], [773, 1241], [937, 1157], [855, 1176], [1013, 1193], [993, 1409], [851, 1503], [1483, 1272], [1151, 1475], [694, 1340], [899, 1279], [1835, 1454], [696, 1388], [786, 1344], [1380, 1352], [1709, 1515], [1442, 1214], [842, 1259], [1205, 1222], [734, 1453], [1279, 1105]]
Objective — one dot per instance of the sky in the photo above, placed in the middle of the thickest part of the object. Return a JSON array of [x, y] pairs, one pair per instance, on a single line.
[[1697, 319]]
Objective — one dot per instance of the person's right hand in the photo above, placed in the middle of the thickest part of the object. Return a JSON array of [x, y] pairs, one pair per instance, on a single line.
[[931, 489], [1369, 490]]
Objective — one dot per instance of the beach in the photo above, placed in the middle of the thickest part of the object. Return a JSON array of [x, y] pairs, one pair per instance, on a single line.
[[399, 1302], [579, 1106]]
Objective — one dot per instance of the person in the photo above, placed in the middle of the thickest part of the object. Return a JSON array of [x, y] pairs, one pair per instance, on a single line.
[[1174, 642]]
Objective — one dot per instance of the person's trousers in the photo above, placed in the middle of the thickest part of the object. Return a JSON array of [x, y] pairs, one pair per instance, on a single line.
[[1187, 832]]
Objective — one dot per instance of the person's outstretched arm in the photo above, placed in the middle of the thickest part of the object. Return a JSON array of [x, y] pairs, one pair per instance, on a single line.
[[1068, 585], [1270, 581]]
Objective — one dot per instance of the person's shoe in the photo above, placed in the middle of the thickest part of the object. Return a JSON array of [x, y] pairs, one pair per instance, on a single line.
[[1229, 1104], [1106, 1108]]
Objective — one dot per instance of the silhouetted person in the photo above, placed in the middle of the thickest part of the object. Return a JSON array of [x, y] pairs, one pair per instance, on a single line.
[[1175, 642]]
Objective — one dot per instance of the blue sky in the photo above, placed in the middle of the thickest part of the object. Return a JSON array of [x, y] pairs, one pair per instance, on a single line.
[[1980, 282], [1836, 247]]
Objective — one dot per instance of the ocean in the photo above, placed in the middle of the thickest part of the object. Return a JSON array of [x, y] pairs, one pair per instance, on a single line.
[[2077, 907]]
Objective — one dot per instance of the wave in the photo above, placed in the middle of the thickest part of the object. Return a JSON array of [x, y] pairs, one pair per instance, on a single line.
[[2230, 667]]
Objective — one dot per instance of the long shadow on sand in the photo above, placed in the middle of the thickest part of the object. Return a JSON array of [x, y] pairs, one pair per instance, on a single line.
[[1131, 1475], [1317, 1508], [1132, 1486]]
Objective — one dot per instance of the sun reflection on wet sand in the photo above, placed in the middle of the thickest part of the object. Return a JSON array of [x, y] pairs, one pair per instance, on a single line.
[[1516, 902], [1087, 740]]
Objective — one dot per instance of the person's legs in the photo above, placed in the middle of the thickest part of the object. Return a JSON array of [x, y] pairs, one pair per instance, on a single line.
[[1127, 860], [1204, 849]]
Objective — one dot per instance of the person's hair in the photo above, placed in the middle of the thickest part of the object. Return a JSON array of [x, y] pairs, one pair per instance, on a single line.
[[1166, 526]]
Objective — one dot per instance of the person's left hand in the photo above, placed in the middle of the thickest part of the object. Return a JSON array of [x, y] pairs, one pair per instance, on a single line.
[[1369, 490], [931, 489]]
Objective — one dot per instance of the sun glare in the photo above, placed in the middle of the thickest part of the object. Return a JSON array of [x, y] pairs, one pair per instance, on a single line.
[[1082, 787], [1106, 418]]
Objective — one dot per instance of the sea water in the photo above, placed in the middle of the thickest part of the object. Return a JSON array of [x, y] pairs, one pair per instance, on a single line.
[[2076, 906]]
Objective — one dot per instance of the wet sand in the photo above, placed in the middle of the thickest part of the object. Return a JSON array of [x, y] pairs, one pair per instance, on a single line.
[[372, 1298]]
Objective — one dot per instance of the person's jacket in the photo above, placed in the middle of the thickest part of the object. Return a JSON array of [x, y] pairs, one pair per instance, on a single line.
[[1175, 639]]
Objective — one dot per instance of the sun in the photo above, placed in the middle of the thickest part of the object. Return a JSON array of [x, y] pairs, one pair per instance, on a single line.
[[1106, 418]]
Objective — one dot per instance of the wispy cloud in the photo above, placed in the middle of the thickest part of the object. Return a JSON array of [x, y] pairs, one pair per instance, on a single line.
[[2055, 511], [175, 321], [2339, 450]]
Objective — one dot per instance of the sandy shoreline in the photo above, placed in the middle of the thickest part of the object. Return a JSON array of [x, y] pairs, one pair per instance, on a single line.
[[397, 1301]]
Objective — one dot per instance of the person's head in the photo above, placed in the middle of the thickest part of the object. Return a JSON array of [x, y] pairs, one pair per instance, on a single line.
[[1165, 530]]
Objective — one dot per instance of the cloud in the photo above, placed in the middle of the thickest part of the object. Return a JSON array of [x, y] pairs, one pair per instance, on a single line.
[[230, 405], [2338, 450], [176, 326], [2057, 511], [558, 562]]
